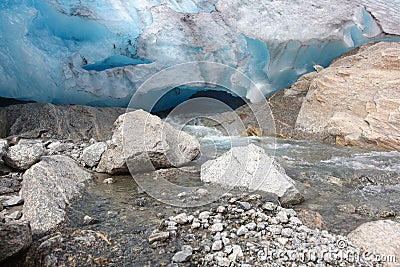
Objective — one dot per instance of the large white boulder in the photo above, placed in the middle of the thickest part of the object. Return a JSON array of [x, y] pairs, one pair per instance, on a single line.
[[143, 142], [251, 168]]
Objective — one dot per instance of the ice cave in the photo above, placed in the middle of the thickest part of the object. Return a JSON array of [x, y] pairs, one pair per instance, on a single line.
[[99, 52]]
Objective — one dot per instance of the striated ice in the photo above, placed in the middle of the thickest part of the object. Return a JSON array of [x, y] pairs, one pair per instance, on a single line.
[[100, 52]]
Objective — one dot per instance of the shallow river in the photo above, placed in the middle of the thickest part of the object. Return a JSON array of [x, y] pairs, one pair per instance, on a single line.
[[347, 186]]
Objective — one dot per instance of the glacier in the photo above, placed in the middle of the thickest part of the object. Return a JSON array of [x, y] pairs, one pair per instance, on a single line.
[[100, 52]]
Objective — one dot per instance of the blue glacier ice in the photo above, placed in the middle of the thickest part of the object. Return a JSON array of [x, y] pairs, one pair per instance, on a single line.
[[100, 52]]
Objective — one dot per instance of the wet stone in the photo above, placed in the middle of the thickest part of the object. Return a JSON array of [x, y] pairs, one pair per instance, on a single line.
[[182, 256], [162, 236]]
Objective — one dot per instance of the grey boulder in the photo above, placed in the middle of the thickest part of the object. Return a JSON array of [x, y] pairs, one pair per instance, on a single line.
[[15, 237], [252, 169], [48, 187], [23, 155], [143, 142]]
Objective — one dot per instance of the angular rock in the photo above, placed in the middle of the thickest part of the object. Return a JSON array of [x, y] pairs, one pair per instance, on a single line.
[[251, 168], [356, 99], [217, 227], [108, 181], [16, 215], [23, 155], [147, 143], [242, 230], [92, 154], [13, 201], [282, 216], [217, 245], [15, 237], [162, 236], [58, 121], [182, 256], [204, 215], [181, 218], [236, 253], [244, 205], [379, 237], [48, 187]]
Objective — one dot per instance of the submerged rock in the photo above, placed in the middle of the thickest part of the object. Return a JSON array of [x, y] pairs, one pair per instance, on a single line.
[[48, 187], [15, 237], [146, 143], [251, 168], [312, 219], [87, 220], [380, 237], [23, 155], [35, 120]]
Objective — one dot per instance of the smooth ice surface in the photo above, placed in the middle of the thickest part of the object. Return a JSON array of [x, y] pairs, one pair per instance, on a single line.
[[100, 52]]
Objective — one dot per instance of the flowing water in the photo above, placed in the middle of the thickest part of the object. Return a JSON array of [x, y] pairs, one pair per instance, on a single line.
[[347, 186]]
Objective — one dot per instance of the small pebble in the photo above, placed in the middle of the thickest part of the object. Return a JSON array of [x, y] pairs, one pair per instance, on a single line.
[[162, 236], [217, 227], [242, 230], [87, 220], [182, 256], [217, 245]]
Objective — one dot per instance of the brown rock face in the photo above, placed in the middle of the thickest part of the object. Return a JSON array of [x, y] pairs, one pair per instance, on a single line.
[[357, 99], [286, 104]]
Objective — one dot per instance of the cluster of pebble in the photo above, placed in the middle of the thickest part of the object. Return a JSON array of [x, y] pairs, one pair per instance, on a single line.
[[248, 231]]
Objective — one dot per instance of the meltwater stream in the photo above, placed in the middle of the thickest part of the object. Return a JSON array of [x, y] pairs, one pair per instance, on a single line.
[[347, 186]]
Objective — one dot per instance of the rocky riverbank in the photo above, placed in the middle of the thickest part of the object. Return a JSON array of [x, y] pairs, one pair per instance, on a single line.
[[238, 230], [70, 226]]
